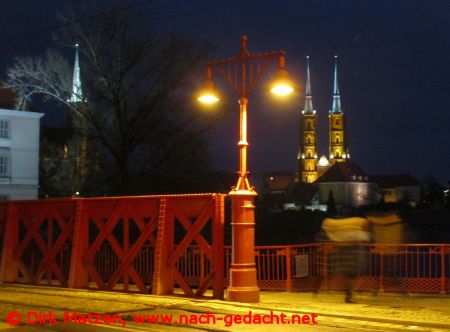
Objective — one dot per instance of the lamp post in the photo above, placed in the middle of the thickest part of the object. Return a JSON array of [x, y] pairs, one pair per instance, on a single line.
[[242, 72]]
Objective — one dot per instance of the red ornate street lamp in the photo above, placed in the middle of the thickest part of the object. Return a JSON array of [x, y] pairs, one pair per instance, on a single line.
[[243, 72]]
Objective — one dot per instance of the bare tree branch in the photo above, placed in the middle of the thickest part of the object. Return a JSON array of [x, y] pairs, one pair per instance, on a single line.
[[133, 83]]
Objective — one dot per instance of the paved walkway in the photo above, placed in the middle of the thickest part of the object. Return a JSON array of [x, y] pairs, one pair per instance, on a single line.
[[387, 312]]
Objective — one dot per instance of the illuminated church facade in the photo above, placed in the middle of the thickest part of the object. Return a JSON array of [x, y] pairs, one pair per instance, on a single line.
[[317, 177], [310, 166]]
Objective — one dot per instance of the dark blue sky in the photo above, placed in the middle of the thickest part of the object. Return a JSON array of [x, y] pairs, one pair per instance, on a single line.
[[394, 72]]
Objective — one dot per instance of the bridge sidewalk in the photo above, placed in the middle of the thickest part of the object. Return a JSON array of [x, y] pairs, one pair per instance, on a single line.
[[412, 311], [418, 312]]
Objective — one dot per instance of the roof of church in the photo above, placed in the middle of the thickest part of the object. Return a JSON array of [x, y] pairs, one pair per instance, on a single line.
[[344, 172], [394, 180]]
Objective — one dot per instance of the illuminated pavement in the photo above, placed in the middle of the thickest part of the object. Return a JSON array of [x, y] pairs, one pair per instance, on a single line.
[[371, 313]]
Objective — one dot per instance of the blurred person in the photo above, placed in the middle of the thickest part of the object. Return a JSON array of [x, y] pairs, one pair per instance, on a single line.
[[389, 233], [345, 235]]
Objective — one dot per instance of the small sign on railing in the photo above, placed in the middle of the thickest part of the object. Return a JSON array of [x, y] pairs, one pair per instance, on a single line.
[[301, 266]]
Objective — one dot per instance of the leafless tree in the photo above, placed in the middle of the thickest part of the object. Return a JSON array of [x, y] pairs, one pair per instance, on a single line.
[[137, 110], [47, 76]]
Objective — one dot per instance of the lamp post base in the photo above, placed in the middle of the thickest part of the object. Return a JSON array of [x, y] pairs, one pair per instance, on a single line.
[[243, 284], [243, 294], [243, 276]]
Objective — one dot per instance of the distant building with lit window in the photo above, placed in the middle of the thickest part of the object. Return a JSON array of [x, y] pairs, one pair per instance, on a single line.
[[397, 188], [19, 154], [350, 185]]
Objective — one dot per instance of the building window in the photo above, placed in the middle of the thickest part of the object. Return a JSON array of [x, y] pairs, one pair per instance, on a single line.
[[4, 162], [337, 122], [337, 139], [4, 128]]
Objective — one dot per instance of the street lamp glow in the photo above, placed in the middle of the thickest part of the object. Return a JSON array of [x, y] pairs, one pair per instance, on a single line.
[[283, 84], [282, 89], [208, 94], [208, 98]]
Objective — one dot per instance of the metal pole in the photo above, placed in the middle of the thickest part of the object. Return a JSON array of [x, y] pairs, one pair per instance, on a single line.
[[243, 285]]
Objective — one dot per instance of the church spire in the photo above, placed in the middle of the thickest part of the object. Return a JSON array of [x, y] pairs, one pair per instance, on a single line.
[[77, 92], [308, 96], [338, 138], [336, 107], [307, 153]]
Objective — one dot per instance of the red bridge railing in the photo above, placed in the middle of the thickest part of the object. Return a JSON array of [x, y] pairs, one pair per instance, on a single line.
[[159, 243], [115, 243], [380, 267], [411, 268]]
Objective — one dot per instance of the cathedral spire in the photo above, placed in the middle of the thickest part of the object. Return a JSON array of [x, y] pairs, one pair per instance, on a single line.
[[308, 96], [338, 138], [336, 108], [77, 92], [307, 153]]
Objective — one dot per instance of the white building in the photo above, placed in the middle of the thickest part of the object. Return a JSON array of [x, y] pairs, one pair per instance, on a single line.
[[19, 154], [350, 185]]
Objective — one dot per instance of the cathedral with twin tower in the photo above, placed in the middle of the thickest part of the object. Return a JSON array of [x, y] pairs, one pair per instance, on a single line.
[[310, 167]]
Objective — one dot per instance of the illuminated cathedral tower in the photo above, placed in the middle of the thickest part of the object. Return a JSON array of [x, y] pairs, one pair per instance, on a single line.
[[307, 155], [78, 145], [338, 142]]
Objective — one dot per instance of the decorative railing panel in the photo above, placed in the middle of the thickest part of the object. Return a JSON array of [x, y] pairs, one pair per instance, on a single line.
[[115, 243], [36, 239]]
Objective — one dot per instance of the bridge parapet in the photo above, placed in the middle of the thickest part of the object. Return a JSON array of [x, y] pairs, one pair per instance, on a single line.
[[113, 243]]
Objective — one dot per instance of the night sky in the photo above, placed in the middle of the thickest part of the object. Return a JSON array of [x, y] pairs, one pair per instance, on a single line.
[[394, 73]]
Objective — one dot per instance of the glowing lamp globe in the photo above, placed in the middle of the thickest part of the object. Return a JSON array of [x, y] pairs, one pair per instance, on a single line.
[[208, 95], [208, 99], [282, 85], [282, 89]]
